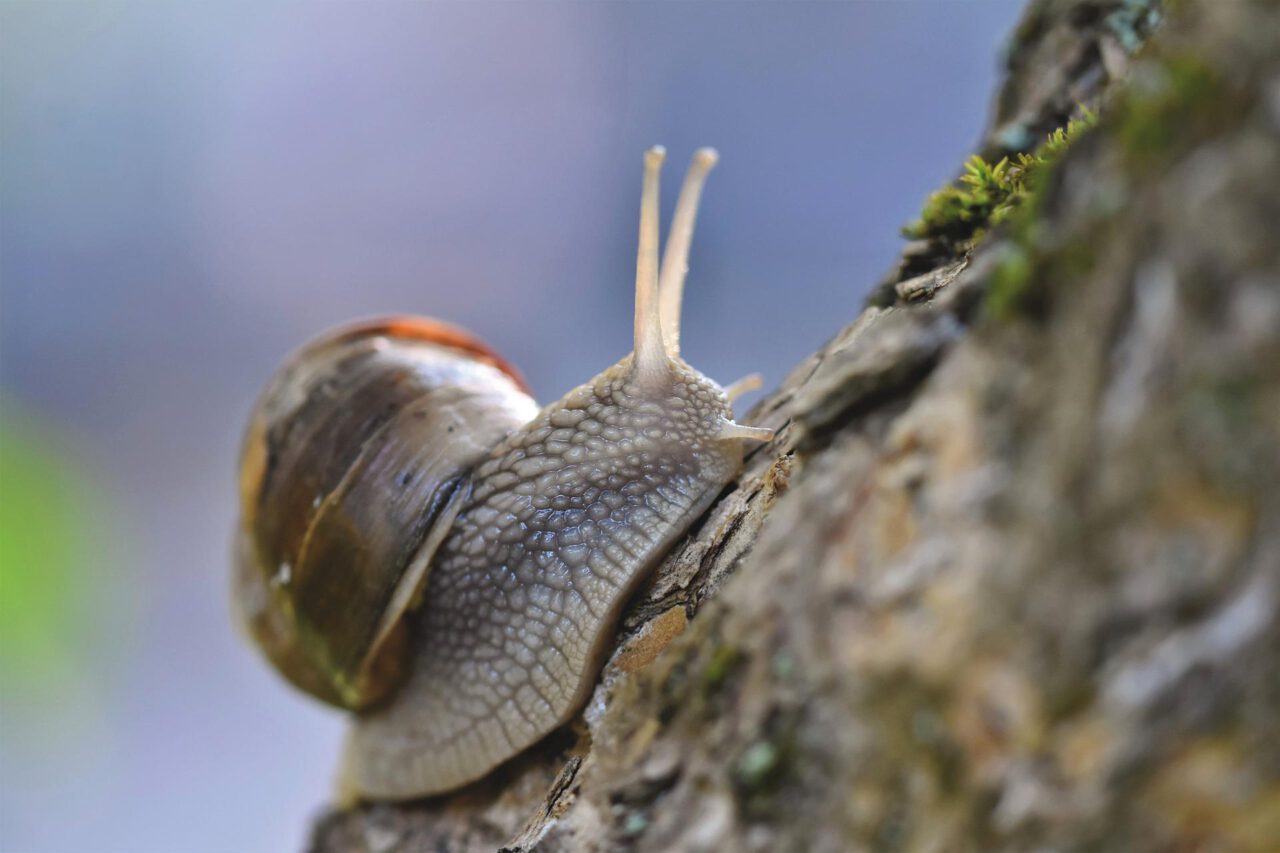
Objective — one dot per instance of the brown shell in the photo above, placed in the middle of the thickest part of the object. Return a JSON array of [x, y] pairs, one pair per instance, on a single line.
[[355, 459]]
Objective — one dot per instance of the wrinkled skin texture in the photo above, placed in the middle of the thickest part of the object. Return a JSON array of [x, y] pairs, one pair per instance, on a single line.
[[564, 520]]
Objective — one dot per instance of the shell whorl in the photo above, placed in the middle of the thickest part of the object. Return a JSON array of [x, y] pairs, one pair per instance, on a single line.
[[351, 469]]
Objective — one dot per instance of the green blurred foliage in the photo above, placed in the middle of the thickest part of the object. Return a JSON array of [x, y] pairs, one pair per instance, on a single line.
[[48, 515]]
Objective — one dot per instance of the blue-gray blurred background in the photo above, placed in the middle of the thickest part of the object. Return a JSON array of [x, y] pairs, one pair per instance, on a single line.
[[190, 190]]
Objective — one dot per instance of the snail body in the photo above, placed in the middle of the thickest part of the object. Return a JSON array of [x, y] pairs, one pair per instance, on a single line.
[[456, 558]]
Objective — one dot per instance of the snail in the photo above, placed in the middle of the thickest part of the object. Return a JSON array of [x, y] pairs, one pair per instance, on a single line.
[[420, 544]]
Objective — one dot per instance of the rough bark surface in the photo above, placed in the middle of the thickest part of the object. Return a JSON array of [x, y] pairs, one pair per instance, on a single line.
[[1009, 576]]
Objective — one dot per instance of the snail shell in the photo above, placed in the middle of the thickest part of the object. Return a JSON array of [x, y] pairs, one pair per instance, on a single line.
[[420, 544], [349, 475]]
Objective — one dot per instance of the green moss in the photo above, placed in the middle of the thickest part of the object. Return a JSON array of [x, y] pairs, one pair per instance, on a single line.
[[724, 660], [1169, 105], [988, 194], [1010, 280], [1163, 100], [1013, 286]]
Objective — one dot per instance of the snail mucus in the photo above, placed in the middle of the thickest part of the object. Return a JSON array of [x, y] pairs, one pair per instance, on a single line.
[[423, 546]]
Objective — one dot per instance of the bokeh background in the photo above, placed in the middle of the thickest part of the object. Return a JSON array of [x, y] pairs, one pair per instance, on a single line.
[[188, 191]]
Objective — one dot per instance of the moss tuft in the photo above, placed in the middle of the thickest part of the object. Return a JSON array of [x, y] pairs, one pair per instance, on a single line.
[[1010, 281], [987, 194], [1162, 99]]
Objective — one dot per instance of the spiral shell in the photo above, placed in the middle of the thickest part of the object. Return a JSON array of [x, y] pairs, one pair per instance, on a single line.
[[353, 467]]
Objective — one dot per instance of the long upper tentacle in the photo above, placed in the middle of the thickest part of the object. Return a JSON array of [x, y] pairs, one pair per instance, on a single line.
[[650, 352], [675, 261]]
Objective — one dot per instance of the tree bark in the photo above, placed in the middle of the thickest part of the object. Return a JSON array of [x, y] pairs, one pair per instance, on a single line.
[[1009, 575]]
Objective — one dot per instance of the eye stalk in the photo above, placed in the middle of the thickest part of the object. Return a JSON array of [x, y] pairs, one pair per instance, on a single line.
[[660, 289], [675, 261], [651, 351]]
